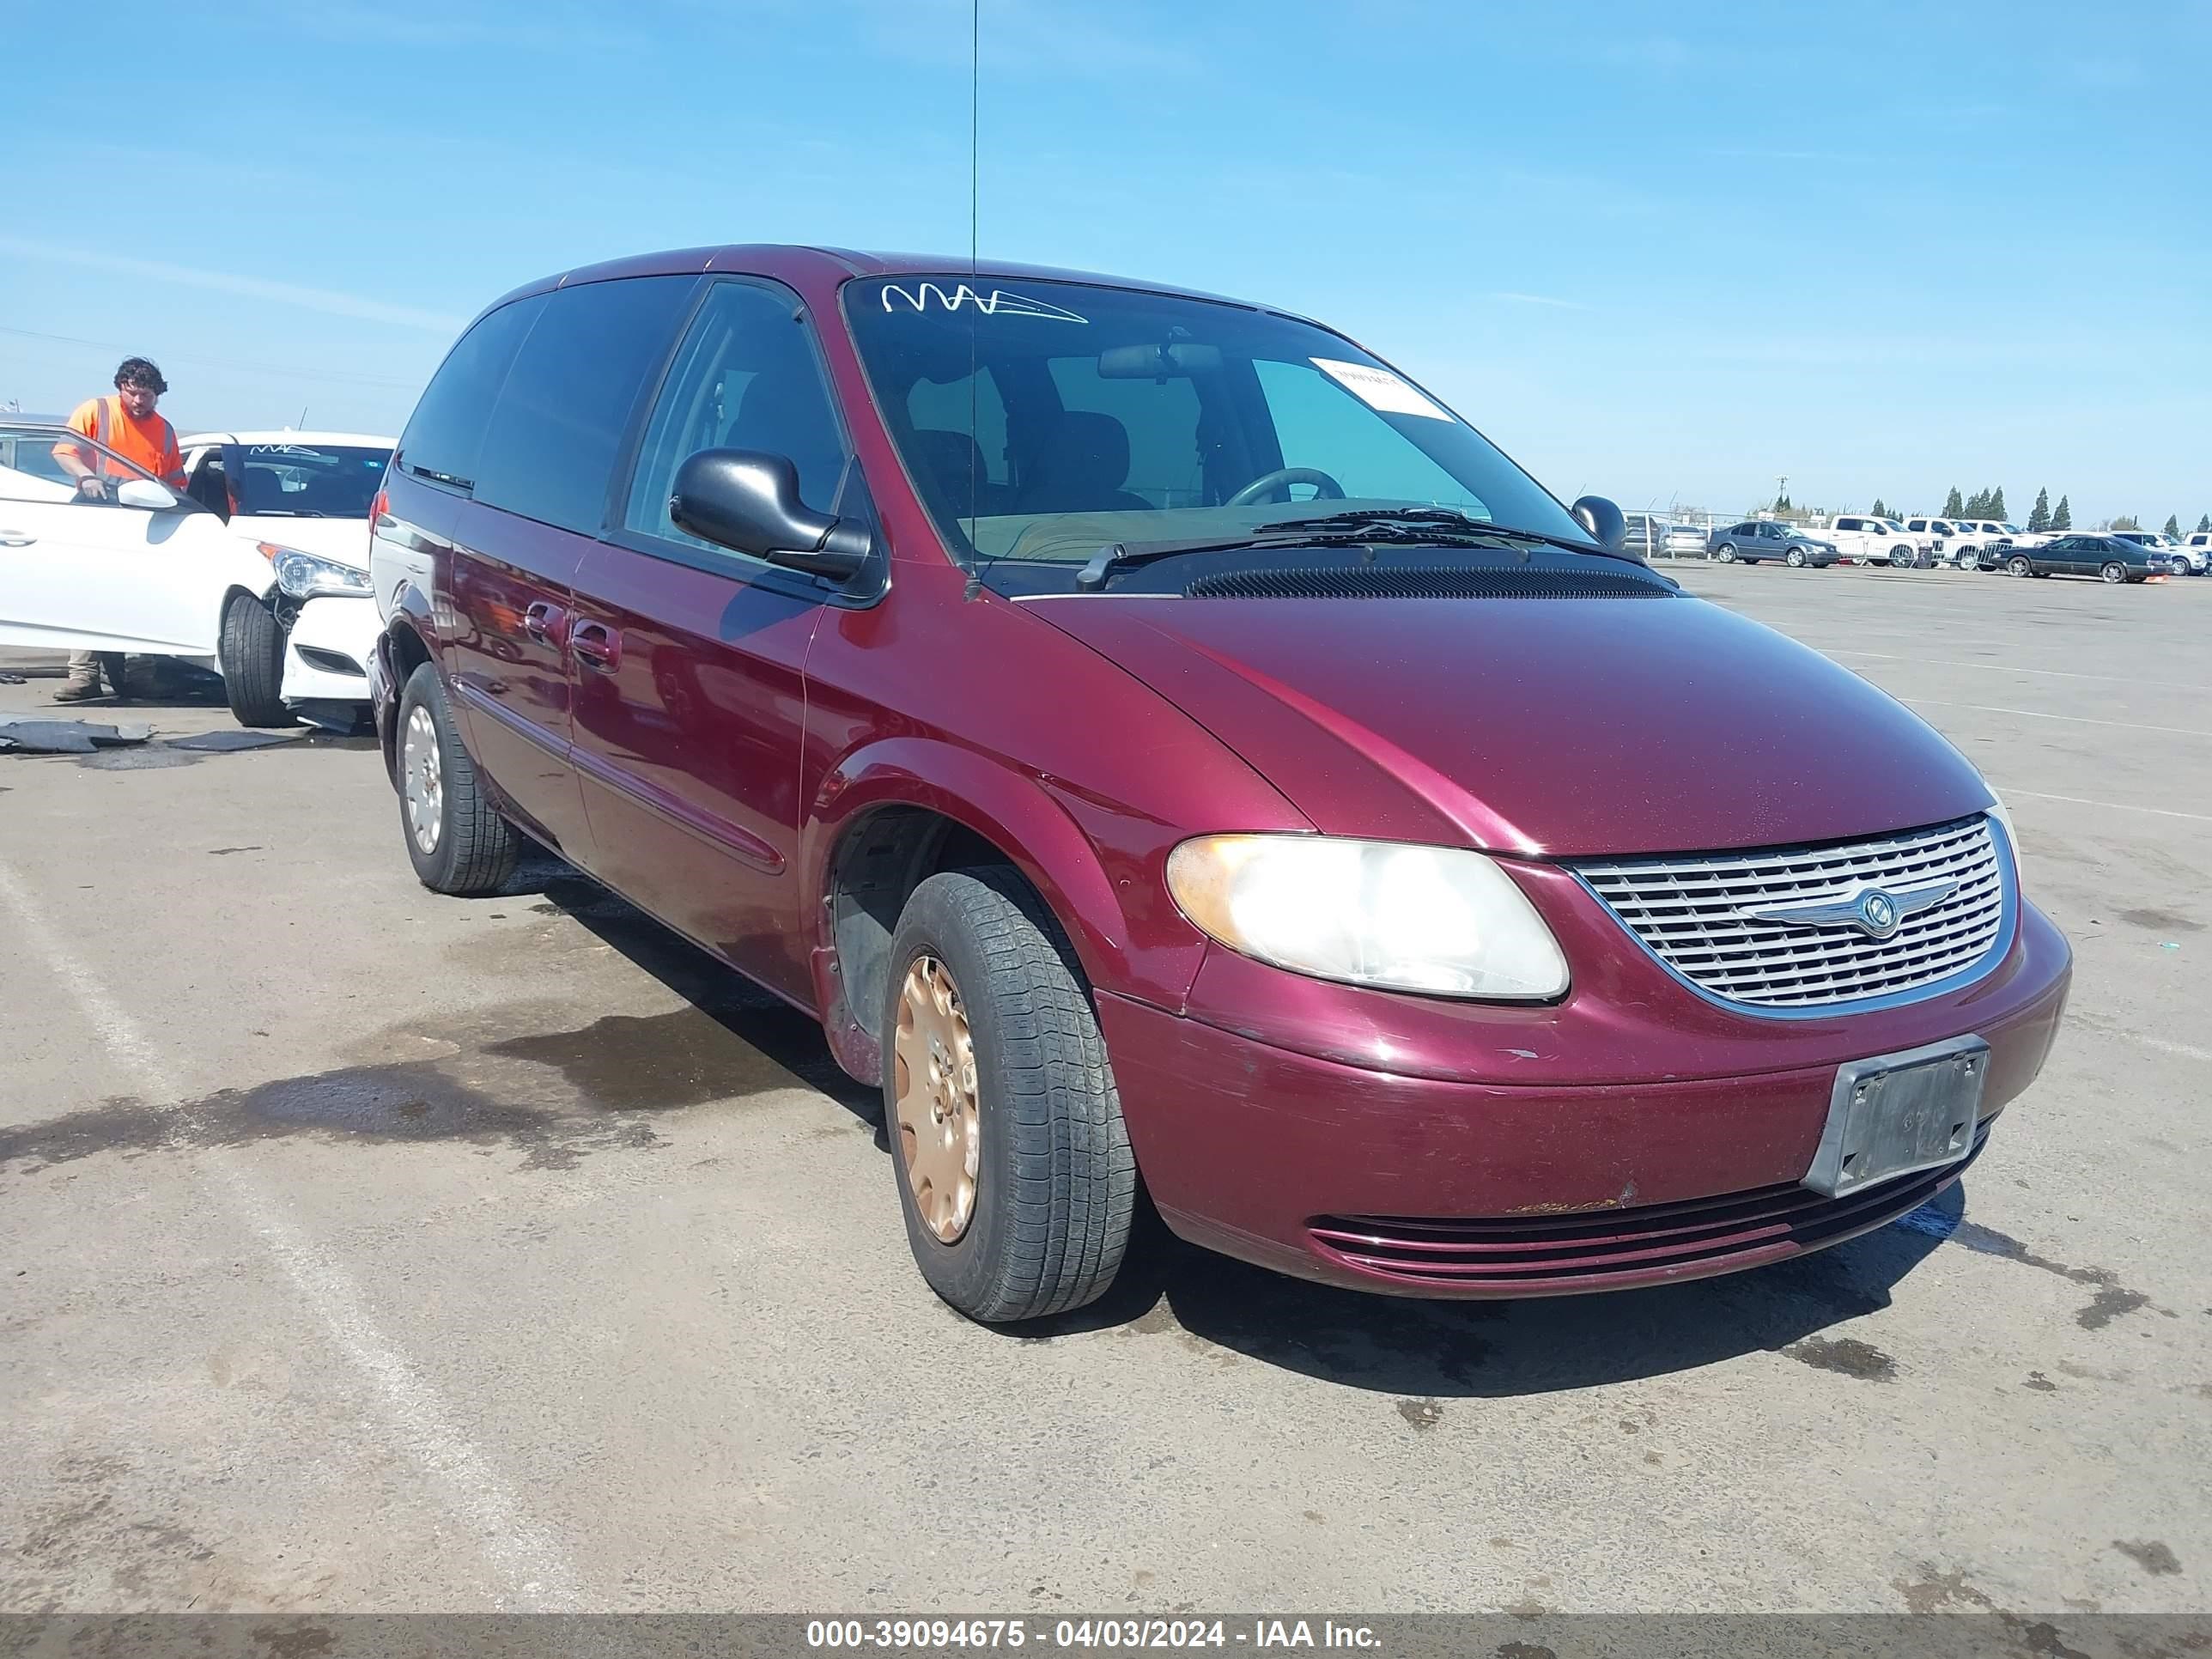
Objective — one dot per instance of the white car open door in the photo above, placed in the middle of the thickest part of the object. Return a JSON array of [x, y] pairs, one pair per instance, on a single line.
[[138, 568]]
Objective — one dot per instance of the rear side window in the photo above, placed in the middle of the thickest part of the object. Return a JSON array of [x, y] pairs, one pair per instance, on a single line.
[[446, 434], [568, 398]]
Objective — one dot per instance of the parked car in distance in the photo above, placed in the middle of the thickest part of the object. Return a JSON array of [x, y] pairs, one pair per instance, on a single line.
[[301, 499], [1643, 535], [1650, 535], [2109, 558], [138, 568], [1950, 541], [2189, 561], [1756, 539], [1162, 744], [1863, 539], [2197, 543]]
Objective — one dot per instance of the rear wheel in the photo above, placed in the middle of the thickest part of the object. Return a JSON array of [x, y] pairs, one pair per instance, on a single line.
[[456, 839], [1725, 553], [1012, 1164], [252, 651]]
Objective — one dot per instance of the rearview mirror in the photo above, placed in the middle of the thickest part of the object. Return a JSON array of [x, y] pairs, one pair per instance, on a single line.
[[1158, 362], [748, 500], [147, 492], [1602, 520]]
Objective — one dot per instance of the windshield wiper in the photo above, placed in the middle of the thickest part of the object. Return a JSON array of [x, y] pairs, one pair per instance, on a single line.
[[1433, 520], [1398, 526], [1128, 555]]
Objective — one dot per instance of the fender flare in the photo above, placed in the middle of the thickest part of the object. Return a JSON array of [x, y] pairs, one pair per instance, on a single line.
[[1012, 809]]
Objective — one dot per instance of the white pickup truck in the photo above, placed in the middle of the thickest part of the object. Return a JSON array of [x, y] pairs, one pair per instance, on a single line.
[[1866, 540], [1953, 541]]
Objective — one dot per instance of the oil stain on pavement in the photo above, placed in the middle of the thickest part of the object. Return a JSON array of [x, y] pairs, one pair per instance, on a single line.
[[1846, 1356], [553, 1096], [2111, 1299]]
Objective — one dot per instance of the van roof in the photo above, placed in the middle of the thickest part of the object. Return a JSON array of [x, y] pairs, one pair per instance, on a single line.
[[797, 263]]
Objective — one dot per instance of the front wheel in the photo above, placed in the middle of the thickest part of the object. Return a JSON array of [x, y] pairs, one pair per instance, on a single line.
[[1014, 1167], [1794, 558], [2018, 566], [456, 839], [2112, 571], [251, 650]]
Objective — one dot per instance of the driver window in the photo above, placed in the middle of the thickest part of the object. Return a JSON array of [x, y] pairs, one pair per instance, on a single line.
[[31, 468], [1319, 424]]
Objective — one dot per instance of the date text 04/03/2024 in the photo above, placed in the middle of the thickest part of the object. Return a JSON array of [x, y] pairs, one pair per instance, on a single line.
[[941, 1634]]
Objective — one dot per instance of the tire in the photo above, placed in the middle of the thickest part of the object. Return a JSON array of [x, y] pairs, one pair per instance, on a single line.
[[1725, 553], [457, 842], [251, 649], [2018, 565], [1794, 558], [2113, 572], [1051, 1188]]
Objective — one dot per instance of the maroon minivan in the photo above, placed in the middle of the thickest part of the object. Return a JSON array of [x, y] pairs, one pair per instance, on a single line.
[[1165, 746]]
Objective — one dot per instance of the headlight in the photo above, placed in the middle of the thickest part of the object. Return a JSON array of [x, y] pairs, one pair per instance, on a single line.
[[1435, 920], [2003, 814], [304, 576]]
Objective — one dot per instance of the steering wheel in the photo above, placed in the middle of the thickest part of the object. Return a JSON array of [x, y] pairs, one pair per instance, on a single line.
[[1326, 489]]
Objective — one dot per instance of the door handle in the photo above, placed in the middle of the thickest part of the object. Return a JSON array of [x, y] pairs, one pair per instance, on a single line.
[[16, 538], [546, 622], [596, 645]]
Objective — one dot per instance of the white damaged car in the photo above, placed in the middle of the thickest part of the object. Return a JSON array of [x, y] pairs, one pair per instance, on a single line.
[[257, 573]]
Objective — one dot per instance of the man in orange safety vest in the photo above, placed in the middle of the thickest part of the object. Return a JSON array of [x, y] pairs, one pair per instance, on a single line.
[[126, 425]]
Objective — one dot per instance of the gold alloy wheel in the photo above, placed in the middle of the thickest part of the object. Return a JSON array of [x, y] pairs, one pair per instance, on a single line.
[[933, 1083]]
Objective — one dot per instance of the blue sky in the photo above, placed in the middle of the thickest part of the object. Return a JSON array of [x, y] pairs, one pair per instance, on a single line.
[[1657, 252]]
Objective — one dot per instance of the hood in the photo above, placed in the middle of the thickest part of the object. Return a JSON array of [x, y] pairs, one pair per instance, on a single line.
[[1565, 728], [345, 540]]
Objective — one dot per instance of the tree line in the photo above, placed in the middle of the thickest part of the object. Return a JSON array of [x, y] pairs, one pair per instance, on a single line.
[[1990, 504]]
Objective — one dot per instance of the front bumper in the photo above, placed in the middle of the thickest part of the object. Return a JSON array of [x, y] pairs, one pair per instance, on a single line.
[[327, 649], [1438, 1186]]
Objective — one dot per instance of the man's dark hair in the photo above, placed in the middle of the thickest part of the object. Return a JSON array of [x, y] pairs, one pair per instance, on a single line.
[[138, 370]]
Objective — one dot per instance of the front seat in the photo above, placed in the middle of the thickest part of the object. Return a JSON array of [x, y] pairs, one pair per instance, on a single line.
[[1082, 469], [950, 466]]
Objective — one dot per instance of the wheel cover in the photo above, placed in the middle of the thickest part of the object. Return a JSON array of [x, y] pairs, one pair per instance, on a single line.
[[933, 1094], [422, 774]]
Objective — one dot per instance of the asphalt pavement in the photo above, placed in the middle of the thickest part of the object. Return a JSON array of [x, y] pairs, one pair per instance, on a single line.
[[362, 1250]]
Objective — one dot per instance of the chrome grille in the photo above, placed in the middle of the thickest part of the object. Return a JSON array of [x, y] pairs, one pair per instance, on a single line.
[[1688, 909]]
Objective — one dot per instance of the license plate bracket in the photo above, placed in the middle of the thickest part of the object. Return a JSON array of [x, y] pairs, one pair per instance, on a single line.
[[1895, 1115]]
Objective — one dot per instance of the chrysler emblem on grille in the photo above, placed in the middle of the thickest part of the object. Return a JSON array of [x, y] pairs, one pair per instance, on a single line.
[[1877, 912]]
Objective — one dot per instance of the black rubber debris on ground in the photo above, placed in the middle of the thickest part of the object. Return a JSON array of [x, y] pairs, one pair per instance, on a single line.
[[226, 742], [67, 736]]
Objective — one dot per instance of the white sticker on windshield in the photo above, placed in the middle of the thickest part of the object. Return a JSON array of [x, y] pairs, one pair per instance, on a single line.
[[997, 303], [1378, 388]]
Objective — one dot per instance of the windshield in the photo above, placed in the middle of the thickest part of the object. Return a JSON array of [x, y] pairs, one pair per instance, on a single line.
[[298, 478], [1044, 420]]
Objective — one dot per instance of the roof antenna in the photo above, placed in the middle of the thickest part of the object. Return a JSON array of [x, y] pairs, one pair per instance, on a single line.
[[974, 197]]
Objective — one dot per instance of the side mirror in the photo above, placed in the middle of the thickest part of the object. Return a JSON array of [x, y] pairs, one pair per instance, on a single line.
[[748, 500], [154, 497], [1602, 520]]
